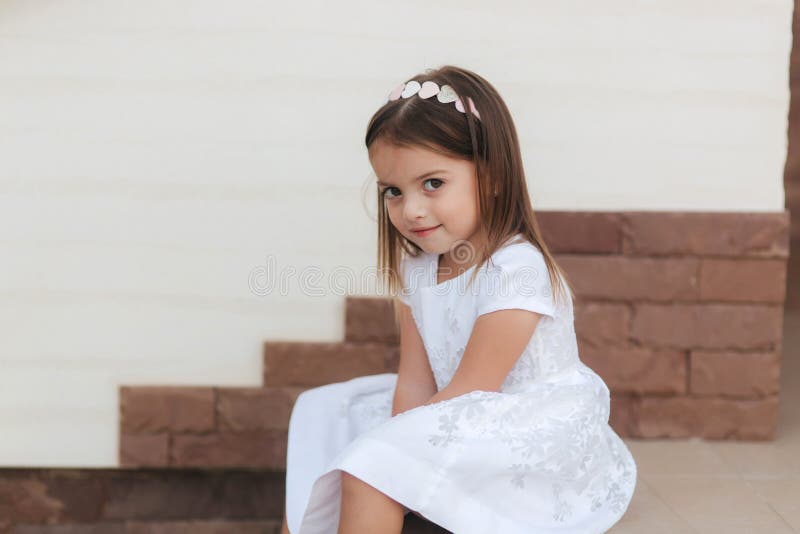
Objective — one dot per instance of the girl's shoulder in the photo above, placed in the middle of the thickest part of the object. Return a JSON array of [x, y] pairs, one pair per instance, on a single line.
[[517, 252], [516, 276]]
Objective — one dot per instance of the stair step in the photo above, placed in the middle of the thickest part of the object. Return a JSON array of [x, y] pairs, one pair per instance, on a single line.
[[370, 319], [87, 500], [190, 426], [152, 501], [311, 364]]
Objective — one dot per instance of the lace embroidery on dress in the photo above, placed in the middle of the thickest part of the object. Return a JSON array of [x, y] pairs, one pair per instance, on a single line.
[[368, 409], [563, 446]]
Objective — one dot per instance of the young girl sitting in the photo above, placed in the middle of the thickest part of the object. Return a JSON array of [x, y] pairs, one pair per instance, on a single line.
[[492, 423]]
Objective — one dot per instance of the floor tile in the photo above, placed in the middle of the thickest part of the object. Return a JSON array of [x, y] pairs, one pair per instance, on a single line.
[[759, 460], [783, 496], [648, 513], [677, 457], [716, 504]]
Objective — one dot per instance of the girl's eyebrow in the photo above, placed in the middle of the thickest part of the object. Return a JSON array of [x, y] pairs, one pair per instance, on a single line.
[[419, 177]]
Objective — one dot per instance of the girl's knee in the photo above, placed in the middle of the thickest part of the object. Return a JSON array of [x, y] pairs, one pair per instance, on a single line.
[[352, 485], [351, 482]]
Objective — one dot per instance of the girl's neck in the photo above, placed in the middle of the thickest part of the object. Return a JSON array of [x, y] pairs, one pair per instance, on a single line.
[[448, 269]]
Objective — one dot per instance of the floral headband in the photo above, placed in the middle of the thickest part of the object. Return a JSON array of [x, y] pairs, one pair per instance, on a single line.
[[445, 94]]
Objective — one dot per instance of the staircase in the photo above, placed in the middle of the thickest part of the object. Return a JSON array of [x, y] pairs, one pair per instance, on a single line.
[[207, 427]]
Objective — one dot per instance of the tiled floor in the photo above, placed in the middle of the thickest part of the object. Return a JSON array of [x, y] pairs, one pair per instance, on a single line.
[[697, 486]]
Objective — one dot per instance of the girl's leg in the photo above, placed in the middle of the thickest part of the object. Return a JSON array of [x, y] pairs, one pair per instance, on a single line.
[[365, 510]]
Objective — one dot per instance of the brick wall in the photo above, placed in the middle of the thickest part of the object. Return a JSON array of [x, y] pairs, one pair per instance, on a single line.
[[681, 314]]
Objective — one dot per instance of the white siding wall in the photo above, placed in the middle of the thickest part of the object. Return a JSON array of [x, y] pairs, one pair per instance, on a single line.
[[152, 154]]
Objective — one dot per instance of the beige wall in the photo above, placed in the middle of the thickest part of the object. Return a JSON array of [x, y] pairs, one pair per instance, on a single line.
[[154, 154]]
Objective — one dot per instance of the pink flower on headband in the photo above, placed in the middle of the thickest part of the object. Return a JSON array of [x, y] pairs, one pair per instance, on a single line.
[[445, 94]]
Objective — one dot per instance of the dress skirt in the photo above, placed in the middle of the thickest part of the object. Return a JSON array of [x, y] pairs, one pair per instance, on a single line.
[[541, 459]]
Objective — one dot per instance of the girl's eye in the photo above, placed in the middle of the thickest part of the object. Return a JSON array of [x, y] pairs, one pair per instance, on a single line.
[[389, 192], [434, 180]]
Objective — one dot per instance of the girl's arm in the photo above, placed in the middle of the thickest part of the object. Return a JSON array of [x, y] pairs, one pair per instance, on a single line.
[[415, 382], [495, 344]]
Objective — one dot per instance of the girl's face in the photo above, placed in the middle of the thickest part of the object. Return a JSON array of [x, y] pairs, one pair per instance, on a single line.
[[422, 189]]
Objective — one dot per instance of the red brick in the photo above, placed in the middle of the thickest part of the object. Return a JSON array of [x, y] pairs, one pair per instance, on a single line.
[[81, 491], [625, 278], [263, 449], [738, 326], [793, 280], [167, 494], [743, 280], [638, 370], [69, 528], [27, 501], [150, 409], [736, 374], [602, 325], [706, 234], [755, 420], [571, 231], [370, 319], [393, 362], [624, 414], [243, 409], [317, 364], [683, 417], [222, 526], [143, 450]]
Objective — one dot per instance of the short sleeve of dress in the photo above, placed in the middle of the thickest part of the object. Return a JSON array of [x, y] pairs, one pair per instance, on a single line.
[[516, 278]]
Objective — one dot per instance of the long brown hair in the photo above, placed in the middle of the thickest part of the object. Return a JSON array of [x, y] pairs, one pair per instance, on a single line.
[[490, 142]]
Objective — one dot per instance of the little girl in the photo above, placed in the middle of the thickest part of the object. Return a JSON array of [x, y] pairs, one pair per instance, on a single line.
[[492, 423]]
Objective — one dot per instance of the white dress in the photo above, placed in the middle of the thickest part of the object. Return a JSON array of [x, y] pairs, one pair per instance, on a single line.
[[536, 457]]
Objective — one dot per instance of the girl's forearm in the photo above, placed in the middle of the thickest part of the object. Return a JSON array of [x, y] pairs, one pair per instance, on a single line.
[[407, 398], [444, 394]]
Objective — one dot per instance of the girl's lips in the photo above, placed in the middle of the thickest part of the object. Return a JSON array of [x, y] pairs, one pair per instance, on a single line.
[[423, 233]]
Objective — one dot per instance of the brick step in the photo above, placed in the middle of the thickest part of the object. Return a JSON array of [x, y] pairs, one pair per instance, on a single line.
[[370, 319], [48, 497], [310, 364], [151, 501], [188, 426], [222, 526]]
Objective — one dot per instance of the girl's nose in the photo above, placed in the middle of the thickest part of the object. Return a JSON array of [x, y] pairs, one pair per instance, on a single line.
[[414, 209]]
